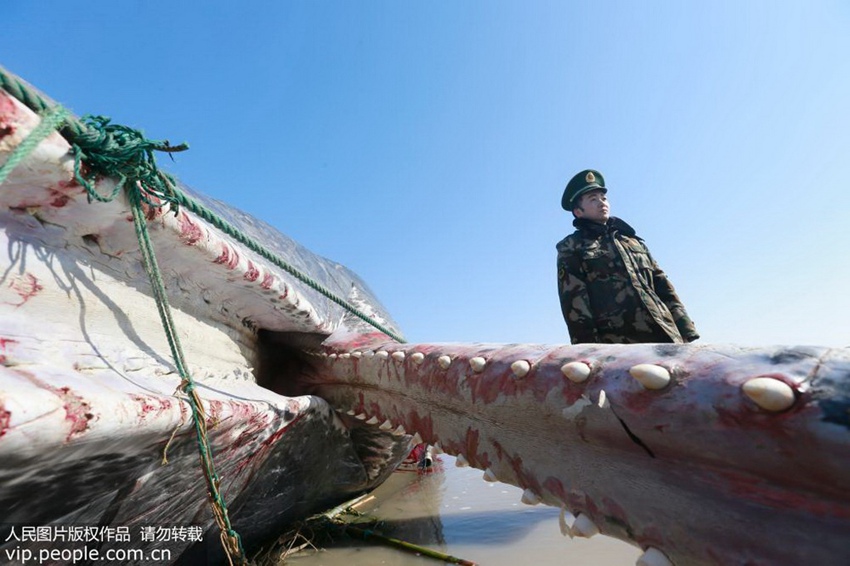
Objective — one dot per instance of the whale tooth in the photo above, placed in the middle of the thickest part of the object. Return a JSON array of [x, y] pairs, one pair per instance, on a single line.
[[361, 417], [399, 431], [529, 497], [372, 420], [350, 412], [398, 356], [444, 362], [576, 372], [356, 354], [603, 399], [368, 354], [520, 368], [651, 376], [565, 521], [461, 462], [416, 439], [489, 475], [344, 355], [477, 364], [417, 357], [653, 557], [332, 356], [769, 393], [584, 527], [382, 354], [386, 425]]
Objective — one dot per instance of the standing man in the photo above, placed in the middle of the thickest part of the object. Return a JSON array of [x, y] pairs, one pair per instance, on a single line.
[[611, 289]]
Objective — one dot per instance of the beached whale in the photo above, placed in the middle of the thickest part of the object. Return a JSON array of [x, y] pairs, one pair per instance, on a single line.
[[308, 395]]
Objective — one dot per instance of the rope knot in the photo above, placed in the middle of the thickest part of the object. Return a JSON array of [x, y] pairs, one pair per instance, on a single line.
[[113, 150]]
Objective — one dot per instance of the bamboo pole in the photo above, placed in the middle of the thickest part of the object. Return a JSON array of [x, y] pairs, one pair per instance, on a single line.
[[367, 534]]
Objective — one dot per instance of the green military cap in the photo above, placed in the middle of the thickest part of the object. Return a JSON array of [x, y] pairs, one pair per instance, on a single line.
[[582, 182]]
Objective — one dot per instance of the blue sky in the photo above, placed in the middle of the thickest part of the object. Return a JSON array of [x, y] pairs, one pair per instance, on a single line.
[[426, 145]]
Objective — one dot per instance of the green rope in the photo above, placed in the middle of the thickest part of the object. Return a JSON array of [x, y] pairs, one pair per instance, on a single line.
[[109, 150], [230, 539], [50, 121], [253, 245], [117, 151]]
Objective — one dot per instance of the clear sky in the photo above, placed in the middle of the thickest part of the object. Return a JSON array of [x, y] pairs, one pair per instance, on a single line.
[[426, 145]]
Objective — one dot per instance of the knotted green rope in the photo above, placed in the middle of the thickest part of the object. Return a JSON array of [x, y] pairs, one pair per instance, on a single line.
[[117, 151], [123, 153], [112, 150], [102, 149]]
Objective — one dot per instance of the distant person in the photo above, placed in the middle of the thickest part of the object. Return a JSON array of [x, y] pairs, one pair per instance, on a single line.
[[611, 289]]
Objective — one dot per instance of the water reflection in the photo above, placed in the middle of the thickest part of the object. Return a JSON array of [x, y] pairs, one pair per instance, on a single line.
[[454, 511]]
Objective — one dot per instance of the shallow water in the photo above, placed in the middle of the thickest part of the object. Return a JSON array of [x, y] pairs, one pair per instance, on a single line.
[[454, 511]]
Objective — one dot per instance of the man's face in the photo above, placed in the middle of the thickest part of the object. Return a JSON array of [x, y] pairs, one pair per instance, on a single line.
[[593, 205]]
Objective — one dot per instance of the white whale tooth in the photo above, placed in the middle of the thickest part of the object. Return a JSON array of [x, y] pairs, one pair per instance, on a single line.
[[577, 372], [332, 356], [603, 403], [368, 354], [382, 354], [398, 356], [489, 475], [653, 557], [438, 449], [529, 497], [356, 354], [477, 364], [417, 439], [565, 521], [361, 417], [417, 357], [444, 362], [399, 431], [345, 355], [461, 461], [769, 393], [373, 420], [350, 412], [386, 425], [520, 368], [584, 527], [651, 376]]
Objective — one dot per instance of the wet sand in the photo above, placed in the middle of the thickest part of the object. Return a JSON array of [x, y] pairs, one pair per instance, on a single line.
[[457, 513]]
